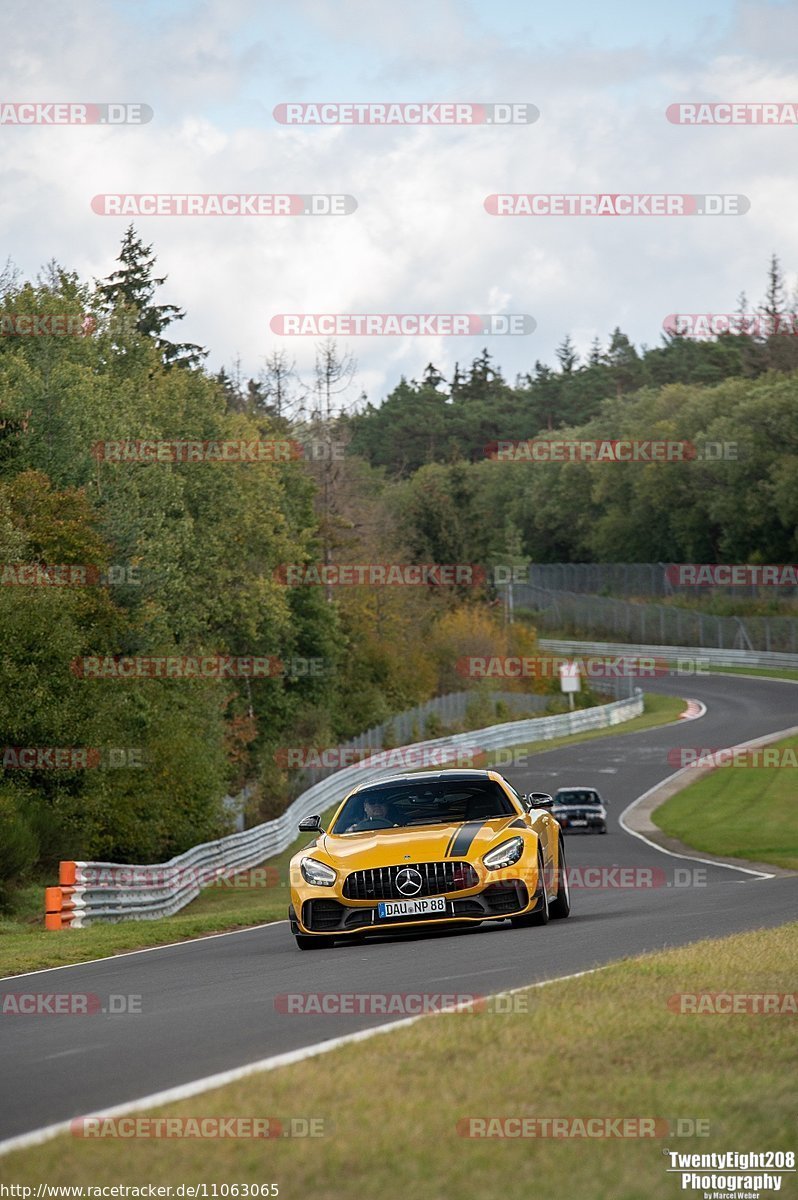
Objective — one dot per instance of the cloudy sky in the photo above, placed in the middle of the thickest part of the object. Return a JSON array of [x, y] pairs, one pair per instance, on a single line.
[[420, 241]]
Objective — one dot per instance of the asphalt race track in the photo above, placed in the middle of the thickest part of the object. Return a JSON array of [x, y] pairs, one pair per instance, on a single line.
[[207, 1006]]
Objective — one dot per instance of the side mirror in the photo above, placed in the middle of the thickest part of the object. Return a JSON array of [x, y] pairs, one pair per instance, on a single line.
[[539, 800], [310, 824]]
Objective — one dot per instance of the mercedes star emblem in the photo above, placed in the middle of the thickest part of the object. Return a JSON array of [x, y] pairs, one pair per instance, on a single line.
[[408, 881]]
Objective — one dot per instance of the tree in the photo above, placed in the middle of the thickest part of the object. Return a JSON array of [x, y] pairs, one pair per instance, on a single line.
[[774, 305], [282, 392], [131, 289], [545, 387], [624, 363], [567, 355], [334, 372], [780, 350]]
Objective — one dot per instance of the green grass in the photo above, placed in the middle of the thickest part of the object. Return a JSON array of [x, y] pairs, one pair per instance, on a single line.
[[739, 811], [771, 672], [677, 651], [659, 710], [604, 1045], [26, 946]]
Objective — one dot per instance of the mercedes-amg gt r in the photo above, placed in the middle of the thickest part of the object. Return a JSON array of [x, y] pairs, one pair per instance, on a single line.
[[437, 848]]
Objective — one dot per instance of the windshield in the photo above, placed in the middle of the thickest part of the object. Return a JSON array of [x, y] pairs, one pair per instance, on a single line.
[[401, 805], [577, 797]]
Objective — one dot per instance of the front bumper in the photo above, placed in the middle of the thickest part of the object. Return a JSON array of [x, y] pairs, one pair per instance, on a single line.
[[586, 823], [332, 916]]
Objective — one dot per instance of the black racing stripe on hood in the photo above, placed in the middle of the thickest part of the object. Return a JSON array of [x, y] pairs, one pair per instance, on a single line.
[[462, 840]]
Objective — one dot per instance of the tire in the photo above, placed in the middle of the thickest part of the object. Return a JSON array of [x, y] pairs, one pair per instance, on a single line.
[[560, 906], [541, 917], [603, 829], [306, 942]]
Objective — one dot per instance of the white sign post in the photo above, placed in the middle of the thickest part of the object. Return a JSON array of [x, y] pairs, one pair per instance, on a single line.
[[570, 681]]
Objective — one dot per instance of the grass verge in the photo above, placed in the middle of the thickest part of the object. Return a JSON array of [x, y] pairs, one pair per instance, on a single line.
[[604, 1045], [233, 904], [677, 651], [741, 812], [770, 672], [659, 710]]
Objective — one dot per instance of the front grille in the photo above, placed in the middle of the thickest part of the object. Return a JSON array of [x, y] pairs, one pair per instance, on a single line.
[[437, 878]]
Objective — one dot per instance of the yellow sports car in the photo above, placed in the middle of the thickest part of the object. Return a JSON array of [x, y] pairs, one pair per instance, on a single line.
[[433, 848]]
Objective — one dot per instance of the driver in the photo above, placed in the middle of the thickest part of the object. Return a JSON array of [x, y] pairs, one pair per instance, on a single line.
[[374, 809]]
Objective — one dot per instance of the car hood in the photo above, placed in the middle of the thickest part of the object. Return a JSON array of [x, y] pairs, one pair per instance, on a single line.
[[426, 843]]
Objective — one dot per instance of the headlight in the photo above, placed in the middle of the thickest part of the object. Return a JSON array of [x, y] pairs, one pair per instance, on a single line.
[[504, 855], [317, 873]]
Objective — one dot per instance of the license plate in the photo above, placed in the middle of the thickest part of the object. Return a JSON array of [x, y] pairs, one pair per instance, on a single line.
[[579, 822], [411, 908]]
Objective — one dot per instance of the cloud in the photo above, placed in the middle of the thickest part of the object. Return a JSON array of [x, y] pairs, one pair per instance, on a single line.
[[420, 240]]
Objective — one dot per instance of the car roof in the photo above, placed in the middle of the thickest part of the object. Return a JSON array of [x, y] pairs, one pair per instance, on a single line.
[[416, 777]]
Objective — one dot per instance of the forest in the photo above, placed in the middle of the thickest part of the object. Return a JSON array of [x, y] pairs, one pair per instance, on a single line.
[[126, 556]]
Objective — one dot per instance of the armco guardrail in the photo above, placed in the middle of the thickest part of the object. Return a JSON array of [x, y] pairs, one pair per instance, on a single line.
[[693, 655], [581, 615], [94, 891]]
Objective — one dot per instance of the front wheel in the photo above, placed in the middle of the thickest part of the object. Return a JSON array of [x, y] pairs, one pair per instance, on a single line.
[[561, 904]]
